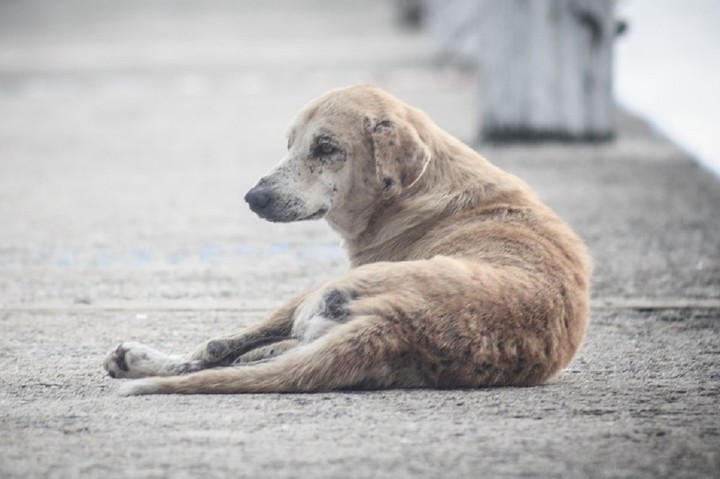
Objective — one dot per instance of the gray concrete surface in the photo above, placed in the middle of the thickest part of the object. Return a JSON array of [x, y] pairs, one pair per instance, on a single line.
[[129, 132]]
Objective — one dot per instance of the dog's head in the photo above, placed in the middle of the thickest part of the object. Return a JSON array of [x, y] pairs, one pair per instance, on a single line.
[[348, 151]]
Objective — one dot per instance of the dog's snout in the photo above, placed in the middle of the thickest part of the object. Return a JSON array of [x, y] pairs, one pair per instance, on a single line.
[[258, 198]]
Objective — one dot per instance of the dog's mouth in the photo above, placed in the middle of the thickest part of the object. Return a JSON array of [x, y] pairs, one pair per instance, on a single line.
[[318, 214], [270, 206], [275, 218]]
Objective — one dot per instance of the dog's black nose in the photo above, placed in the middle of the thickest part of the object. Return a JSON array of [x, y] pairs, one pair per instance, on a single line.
[[258, 198]]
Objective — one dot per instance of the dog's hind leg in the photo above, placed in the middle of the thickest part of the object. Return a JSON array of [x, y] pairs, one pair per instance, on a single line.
[[364, 354]]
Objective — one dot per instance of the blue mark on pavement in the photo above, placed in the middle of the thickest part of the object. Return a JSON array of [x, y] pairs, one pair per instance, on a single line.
[[148, 256]]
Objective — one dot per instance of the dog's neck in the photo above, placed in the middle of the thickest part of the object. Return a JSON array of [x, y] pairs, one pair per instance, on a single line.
[[388, 229]]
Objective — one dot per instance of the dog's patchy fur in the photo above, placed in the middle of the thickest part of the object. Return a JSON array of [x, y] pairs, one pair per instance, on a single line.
[[461, 278]]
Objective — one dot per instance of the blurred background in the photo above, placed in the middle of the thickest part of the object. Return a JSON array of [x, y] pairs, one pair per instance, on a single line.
[[130, 130], [668, 71]]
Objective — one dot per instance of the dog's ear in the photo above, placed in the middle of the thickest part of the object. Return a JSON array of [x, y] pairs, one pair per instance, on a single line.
[[400, 155]]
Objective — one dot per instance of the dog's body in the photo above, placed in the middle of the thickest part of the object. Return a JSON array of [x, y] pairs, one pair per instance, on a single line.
[[461, 277]]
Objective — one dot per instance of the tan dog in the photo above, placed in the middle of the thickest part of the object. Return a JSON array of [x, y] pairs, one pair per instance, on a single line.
[[461, 278]]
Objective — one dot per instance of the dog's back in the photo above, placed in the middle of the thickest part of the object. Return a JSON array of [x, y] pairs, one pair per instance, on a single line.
[[526, 299]]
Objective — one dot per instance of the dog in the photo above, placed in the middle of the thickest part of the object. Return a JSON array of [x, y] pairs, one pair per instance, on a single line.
[[460, 277]]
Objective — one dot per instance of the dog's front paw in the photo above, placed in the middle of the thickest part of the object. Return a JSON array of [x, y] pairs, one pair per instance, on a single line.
[[134, 360], [115, 363]]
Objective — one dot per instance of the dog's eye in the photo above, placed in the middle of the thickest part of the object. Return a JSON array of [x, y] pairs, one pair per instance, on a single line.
[[324, 149]]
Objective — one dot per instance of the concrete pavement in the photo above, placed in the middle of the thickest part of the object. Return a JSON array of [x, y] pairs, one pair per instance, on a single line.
[[129, 132]]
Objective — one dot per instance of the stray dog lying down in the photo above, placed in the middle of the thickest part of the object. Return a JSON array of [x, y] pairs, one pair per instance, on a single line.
[[460, 278]]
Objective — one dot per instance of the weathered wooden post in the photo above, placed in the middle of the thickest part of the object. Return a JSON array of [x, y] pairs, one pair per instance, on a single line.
[[544, 66], [453, 26], [545, 69]]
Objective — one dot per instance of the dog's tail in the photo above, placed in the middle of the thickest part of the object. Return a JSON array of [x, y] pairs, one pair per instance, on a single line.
[[356, 354]]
